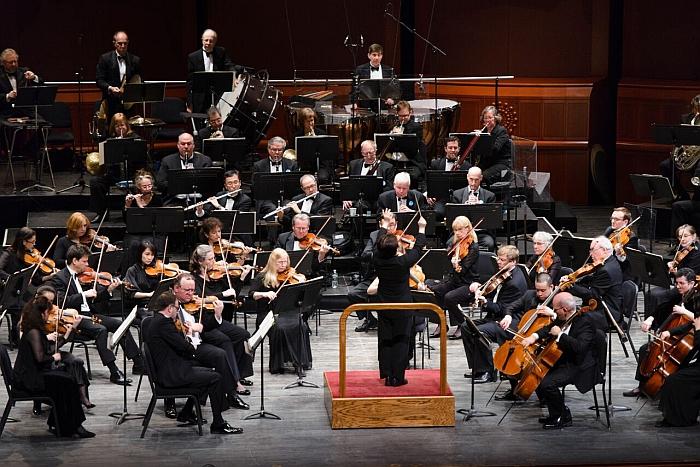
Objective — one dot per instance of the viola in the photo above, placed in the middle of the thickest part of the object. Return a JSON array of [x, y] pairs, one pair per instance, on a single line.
[[316, 243], [666, 356], [196, 303], [168, 270], [290, 276], [494, 281], [87, 277], [46, 265], [65, 317], [416, 277], [233, 248], [406, 241], [546, 262], [682, 253]]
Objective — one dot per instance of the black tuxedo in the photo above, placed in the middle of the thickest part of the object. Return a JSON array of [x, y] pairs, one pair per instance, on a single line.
[[387, 200], [205, 133], [241, 202], [200, 102], [384, 170], [107, 75], [172, 162], [300, 132], [6, 87], [286, 241], [263, 166], [363, 71], [462, 195], [440, 163], [321, 206], [603, 284]]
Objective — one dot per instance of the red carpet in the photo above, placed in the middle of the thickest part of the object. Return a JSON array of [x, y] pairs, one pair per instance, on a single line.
[[366, 383]]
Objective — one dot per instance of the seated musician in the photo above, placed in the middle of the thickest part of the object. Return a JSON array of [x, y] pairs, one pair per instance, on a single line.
[[211, 235], [284, 335], [497, 163], [407, 125], [684, 304], [493, 304], [474, 193], [291, 241], [235, 201], [661, 300], [498, 332], [358, 294], [119, 128], [214, 353], [666, 167], [402, 198], [92, 302], [577, 364], [688, 211], [36, 370], [13, 78], [173, 355], [78, 232], [446, 164], [371, 166], [602, 284], [455, 290], [315, 203], [184, 158], [215, 128], [549, 263], [308, 124], [139, 285], [619, 220], [143, 197], [221, 332], [274, 163]]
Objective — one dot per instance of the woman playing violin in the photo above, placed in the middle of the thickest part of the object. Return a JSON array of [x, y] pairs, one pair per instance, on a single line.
[[203, 262], [78, 232], [210, 234], [284, 335], [549, 263], [464, 258], [139, 286], [38, 370]]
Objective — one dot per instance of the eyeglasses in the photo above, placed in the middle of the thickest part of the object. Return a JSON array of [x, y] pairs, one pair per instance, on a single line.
[[615, 219]]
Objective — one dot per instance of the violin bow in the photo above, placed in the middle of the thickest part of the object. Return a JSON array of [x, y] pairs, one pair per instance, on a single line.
[[99, 226], [230, 237], [41, 258], [456, 245], [201, 302], [165, 250], [99, 264]]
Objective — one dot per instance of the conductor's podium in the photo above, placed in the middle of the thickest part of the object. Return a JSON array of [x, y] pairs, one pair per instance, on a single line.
[[359, 399]]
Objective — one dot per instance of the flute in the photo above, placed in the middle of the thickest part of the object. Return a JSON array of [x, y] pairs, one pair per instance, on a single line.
[[208, 200], [282, 208]]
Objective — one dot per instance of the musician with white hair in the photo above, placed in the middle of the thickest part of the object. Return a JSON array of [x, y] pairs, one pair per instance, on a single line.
[[402, 198]]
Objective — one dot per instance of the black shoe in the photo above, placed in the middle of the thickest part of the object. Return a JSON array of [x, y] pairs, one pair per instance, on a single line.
[[545, 420], [225, 429], [455, 336], [662, 424], [372, 324], [485, 377], [364, 327], [89, 405], [237, 403], [397, 382], [171, 412], [507, 396], [52, 430], [120, 379], [189, 420], [243, 392], [246, 382], [81, 432], [632, 393], [558, 424]]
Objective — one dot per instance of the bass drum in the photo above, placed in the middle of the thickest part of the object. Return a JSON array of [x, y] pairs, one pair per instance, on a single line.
[[251, 106], [435, 132]]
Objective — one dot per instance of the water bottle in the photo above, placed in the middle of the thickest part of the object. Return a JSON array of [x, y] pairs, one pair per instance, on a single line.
[[334, 280]]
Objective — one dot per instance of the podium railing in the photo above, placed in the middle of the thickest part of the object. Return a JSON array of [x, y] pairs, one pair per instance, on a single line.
[[393, 306]]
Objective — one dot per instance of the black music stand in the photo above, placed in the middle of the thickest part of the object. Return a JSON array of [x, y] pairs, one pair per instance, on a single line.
[[441, 184], [492, 213], [276, 186], [245, 224], [16, 285], [654, 187], [111, 260], [35, 97], [482, 146], [163, 286], [375, 90], [572, 251], [478, 338], [311, 150], [290, 299], [262, 413], [677, 135], [649, 267], [212, 84], [193, 183], [365, 189], [403, 219], [141, 93], [155, 220], [124, 151], [407, 144], [229, 150]]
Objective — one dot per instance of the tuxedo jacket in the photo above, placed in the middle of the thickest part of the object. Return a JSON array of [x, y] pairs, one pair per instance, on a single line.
[[107, 74], [241, 202], [440, 163], [263, 165], [195, 62], [172, 162], [363, 71], [172, 353], [65, 285], [6, 87], [500, 152], [603, 284], [384, 170], [387, 200], [462, 195]]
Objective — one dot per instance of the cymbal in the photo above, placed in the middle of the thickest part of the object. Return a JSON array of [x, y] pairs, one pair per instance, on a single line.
[[141, 121], [187, 115]]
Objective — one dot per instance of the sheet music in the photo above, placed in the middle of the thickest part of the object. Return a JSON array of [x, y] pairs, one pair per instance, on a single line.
[[257, 338], [114, 339]]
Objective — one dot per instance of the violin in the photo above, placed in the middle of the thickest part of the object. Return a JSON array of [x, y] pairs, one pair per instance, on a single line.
[[461, 248], [87, 277], [681, 254], [546, 263], [65, 317], [233, 248], [584, 270], [406, 241], [416, 277], [290, 276], [46, 265], [91, 238], [621, 237], [196, 303], [316, 243], [168, 270], [494, 281], [234, 270]]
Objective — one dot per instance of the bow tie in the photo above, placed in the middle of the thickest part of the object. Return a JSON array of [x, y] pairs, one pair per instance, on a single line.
[[366, 165], [121, 57], [207, 53], [276, 164], [402, 199], [373, 68]]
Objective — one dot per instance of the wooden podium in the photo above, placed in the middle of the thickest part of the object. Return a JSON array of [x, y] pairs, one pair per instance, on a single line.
[[426, 401]]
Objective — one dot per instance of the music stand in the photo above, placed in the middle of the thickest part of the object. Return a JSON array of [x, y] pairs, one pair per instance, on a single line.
[[35, 97], [276, 186], [16, 284], [482, 146], [649, 267], [155, 220], [316, 222], [246, 223], [163, 286], [406, 144], [126, 151], [118, 335], [290, 299], [305, 267], [478, 338], [141, 93], [203, 182], [378, 90], [111, 260], [492, 213], [403, 218], [365, 189], [311, 150], [211, 83], [258, 337], [652, 186], [229, 150], [441, 184], [572, 251]]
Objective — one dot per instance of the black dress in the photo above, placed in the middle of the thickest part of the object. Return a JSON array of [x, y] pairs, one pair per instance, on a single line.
[[34, 373], [285, 334], [680, 394], [394, 331], [139, 281]]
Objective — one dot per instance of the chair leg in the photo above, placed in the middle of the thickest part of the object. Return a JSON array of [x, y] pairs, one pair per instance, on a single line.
[[147, 418], [87, 361], [607, 406], [138, 388], [595, 401], [5, 414], [198, 411], [55, 419]]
